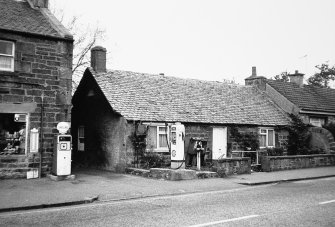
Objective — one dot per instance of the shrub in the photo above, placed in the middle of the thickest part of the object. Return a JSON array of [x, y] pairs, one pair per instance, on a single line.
[[330, 127], [275, 151], [246, 140], [152, 160], [299, 137]]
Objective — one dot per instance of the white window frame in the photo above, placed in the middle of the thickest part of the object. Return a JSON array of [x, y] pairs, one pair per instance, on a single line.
[[11, 56], [317, 121], [267, 137], [160, 125], [162, 133]]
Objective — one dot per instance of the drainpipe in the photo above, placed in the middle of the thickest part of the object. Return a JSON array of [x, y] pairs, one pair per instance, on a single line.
[[41, 146]]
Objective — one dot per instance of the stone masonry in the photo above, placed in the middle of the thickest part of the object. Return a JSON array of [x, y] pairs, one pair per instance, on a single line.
[[42, 76]]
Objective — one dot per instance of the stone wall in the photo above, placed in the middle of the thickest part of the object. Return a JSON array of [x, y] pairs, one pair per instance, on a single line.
[[277, 163], [230, 166], [281, 138], [42, 68]]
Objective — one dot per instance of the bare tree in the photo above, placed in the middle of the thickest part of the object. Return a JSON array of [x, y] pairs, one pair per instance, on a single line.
[[85, 37]]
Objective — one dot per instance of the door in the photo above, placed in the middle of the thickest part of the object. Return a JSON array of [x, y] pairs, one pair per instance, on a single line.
[[219, 143]]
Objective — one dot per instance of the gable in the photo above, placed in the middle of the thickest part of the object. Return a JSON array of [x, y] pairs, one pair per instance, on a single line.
[[89, 90]]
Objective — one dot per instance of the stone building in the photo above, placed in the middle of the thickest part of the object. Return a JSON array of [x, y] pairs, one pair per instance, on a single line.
[[315, 105], [35, 85], [109, 107]]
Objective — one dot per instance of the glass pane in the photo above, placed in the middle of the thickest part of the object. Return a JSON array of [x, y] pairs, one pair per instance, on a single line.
[[162, 129], [81, 131], [262, 142], [316, 121], [162, 140], [270, 138], [6, 48], [6, 62], [263, 131]]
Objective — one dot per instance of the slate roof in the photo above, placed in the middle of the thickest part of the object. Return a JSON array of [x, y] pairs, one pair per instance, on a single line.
[[157, 98], [17, 15], [308, 97]]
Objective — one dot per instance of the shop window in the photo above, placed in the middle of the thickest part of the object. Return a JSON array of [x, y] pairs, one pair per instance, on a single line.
[[267, 137], [7, 55], [315, 121], [13, 133], [81, 138]]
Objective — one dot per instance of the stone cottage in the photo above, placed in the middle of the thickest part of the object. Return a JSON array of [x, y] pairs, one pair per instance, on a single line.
[[111, 106], [35, 85], [315, 105]]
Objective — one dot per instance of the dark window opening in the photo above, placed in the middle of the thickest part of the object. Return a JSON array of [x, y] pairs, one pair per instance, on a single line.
[[12, 133]]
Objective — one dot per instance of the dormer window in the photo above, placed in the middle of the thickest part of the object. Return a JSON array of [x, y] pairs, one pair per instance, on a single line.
[[7, 55]]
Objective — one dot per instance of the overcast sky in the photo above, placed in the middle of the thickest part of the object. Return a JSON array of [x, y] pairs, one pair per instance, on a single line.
[[212, 39]]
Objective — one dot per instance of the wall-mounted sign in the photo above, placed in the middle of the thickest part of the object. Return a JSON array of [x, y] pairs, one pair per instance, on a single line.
[[34, 135]]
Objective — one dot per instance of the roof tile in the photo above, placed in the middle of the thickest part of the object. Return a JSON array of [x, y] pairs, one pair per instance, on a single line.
[[139, 96], [307, 97]]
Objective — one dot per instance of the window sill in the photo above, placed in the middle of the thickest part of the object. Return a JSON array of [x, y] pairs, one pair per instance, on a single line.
[[161, 150], [10, 156]]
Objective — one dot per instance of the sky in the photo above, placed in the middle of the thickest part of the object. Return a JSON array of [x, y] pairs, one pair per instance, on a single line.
[[211, 39]]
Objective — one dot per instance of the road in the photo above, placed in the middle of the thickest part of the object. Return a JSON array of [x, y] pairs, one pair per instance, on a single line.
[[302, 203]]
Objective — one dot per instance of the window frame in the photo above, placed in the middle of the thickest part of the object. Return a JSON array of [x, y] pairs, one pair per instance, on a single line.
[[267, 137], [81, 127], [321, 120], [162, 133], [26, 132], [157, 148], [12, 56]]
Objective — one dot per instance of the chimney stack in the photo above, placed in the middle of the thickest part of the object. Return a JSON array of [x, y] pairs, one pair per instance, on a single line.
[[98, 59], [297, 78], [254, 80], [39, 3], [254, 73]]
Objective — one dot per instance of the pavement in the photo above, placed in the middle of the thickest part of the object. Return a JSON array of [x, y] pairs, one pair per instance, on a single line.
[[101, 186]]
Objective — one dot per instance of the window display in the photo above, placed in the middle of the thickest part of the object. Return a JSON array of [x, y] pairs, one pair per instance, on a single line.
[[12, 133]]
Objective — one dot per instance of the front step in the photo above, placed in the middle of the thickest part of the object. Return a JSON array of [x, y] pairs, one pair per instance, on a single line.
[[170, 174], [206, 174]]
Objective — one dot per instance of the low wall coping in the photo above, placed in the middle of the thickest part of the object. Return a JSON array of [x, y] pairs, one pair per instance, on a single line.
[[233, 159], [298, 156]]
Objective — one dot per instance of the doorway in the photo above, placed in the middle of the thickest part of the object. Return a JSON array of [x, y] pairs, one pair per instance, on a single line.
[[219, 143]]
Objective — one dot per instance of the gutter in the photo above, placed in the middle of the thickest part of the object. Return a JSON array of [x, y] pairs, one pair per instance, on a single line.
[[317, 112], [66, 38]]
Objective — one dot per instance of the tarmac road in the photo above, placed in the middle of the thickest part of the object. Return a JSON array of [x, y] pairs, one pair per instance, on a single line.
[[302, 203]]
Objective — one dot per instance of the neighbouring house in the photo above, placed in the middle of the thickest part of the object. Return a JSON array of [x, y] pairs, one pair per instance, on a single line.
[[315, 105], [110, 106], [35, 85]]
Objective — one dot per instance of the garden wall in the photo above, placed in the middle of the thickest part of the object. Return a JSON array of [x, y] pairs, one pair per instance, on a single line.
[[277, 163], [229, 166]]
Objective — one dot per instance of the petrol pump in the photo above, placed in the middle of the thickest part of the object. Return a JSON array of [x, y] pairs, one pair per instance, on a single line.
[[177, 146], [61, 165]]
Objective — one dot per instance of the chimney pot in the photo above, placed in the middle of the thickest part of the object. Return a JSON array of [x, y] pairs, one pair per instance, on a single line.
[[98, 59], [39, 3]]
